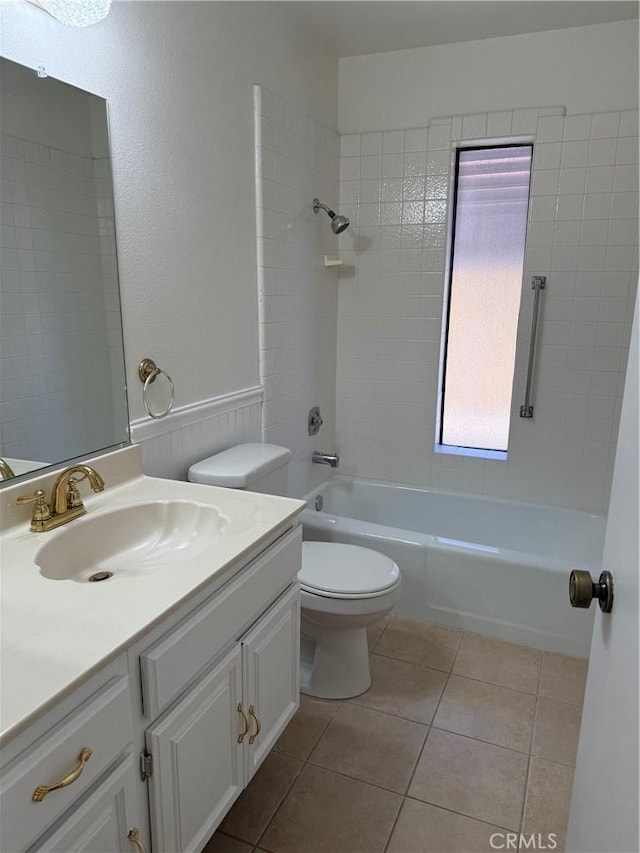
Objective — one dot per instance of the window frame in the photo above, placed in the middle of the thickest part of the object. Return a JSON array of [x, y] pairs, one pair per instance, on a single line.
[[469, 145]]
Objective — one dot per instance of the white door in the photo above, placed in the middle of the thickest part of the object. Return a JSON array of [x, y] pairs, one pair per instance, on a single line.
[[271, 662], [197, 760], [604, 808]]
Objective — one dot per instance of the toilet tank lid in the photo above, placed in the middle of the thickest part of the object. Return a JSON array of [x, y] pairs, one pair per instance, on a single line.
[[239, 466]]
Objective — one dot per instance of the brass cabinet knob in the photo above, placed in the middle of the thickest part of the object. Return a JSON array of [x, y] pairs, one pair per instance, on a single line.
[[583, 589]]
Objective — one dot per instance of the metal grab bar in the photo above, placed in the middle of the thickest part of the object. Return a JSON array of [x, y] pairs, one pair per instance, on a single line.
[[538, 283]]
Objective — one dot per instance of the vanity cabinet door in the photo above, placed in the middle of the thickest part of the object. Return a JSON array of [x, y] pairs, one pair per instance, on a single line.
[[271, 660], [102, 821], [197, 760]]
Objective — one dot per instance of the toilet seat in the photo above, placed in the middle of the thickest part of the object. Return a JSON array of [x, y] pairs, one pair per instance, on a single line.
[[335, 570]]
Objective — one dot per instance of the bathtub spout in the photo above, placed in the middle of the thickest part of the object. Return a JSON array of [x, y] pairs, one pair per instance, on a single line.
[[326, 459]]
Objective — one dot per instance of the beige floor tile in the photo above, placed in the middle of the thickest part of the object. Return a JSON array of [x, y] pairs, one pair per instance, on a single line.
[[302, 733], [403, 689], [255, 807], [419, 642], [497, 662], [548, 799], [327, 813], [487, 712], [476, 779], [557, 730], [422, 828], [370, 746], [221, 843], [374, 632], [563, 678]]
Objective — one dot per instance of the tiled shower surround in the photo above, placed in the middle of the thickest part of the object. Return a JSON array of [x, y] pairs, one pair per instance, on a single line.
[[582, 235], [296, 161], [61, 330]]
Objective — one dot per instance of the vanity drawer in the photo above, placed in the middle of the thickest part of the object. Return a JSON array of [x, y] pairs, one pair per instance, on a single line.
[[170, 664], [103, 724]]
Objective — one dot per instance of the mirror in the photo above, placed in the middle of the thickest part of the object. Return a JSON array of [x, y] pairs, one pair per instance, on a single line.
[[62, 375]]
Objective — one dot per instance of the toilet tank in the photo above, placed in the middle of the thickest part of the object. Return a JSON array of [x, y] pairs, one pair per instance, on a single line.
[[255, 467]]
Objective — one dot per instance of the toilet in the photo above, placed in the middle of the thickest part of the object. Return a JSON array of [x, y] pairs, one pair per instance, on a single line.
[[344, 588]]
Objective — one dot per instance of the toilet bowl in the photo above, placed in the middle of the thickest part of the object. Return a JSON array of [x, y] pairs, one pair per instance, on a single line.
[[344, 588]]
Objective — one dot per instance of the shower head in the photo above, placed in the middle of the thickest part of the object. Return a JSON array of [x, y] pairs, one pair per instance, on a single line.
[[338, 223]]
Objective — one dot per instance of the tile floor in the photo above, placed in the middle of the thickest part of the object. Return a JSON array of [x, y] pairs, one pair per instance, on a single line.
[[459, 736]]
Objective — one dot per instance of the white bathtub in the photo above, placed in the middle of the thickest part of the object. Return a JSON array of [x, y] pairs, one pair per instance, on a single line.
[[495, 567]]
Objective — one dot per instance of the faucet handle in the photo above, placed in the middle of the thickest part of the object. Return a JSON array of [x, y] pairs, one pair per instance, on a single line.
[[37, 497], [74, 498], [41, 510]]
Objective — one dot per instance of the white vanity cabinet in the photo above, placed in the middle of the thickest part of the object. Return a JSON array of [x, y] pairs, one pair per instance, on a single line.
[[176, 726], [103, 821], [204, 749], [68, 782]]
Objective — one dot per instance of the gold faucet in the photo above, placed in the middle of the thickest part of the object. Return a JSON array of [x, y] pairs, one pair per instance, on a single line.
[[66, 503], [6, 471]]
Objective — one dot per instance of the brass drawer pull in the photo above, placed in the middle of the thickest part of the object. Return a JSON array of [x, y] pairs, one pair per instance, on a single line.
[[252, 713], [42, 790], [247, 724], [134, 837]]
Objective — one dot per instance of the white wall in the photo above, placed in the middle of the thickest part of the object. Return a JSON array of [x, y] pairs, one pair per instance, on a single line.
[[296, 161], [178, 78], [588, 69]]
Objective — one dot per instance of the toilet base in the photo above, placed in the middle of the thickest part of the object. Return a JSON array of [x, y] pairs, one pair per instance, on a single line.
[[335, 665]]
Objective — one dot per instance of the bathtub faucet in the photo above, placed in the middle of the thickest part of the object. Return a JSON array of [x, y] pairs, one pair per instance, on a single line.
[[326, 459]]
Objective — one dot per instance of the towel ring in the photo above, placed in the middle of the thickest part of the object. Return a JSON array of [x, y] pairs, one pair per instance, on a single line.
[[148, 373]]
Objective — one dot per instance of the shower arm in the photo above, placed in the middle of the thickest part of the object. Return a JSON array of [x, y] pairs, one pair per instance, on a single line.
[[318, 205]]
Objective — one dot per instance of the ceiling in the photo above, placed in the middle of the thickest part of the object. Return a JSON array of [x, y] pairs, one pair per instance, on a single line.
[[353, 27]]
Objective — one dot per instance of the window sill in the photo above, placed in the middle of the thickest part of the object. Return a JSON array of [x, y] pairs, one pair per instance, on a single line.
[[475, 452]]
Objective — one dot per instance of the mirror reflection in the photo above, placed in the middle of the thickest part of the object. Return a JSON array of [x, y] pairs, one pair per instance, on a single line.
[[62, 377]]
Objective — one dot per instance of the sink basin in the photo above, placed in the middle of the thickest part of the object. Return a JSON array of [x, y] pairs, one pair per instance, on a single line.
[[131, 541]]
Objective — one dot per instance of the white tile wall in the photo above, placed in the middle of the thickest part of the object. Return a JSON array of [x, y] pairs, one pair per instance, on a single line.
[[61, 339], [583, 235], [296, 160]]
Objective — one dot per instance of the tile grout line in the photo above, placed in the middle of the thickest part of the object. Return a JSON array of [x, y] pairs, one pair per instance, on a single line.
[[355, 779], [404, 796], [415, 766], [479, 740], [317, 740], [280, 802], [305, 762], [525, 797], [459, 814], [410, 662], [496, 684]]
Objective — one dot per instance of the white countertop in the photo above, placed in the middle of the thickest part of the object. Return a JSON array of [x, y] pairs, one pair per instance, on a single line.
[[55, 633]]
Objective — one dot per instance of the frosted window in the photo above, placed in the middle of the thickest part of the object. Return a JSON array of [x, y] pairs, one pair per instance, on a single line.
[[492, 194]]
